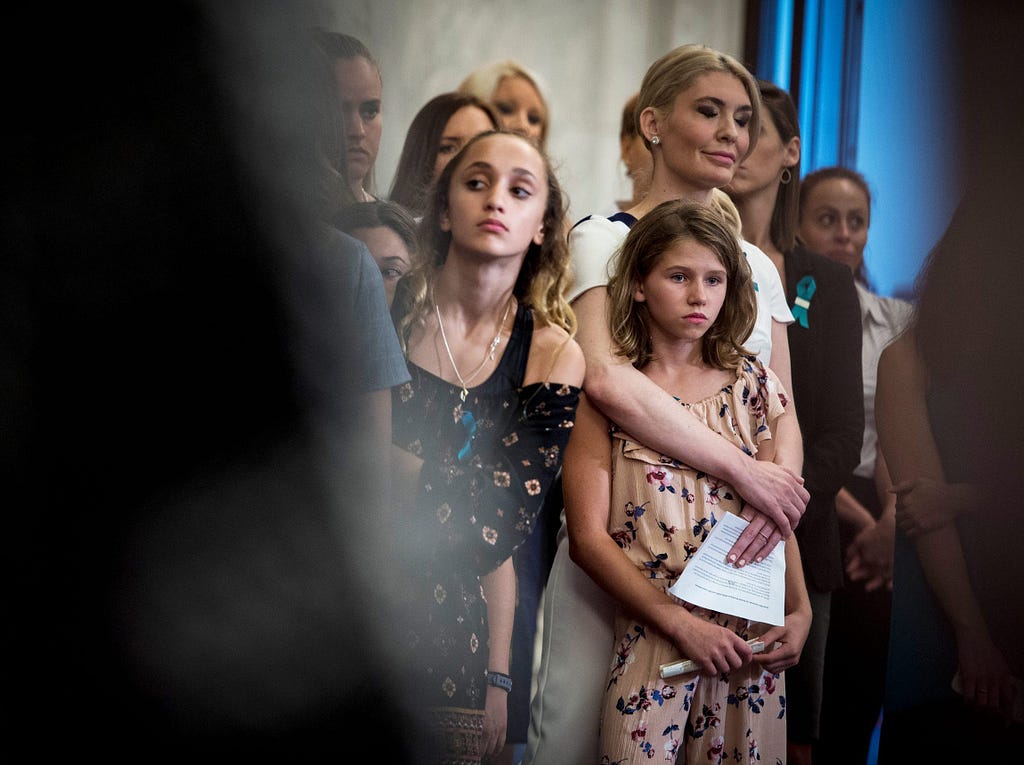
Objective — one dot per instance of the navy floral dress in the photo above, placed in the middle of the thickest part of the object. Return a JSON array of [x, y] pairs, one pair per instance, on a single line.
[[487, 464]]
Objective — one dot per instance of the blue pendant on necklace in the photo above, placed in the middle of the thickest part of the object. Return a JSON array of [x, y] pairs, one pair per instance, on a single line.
[[469, 423]]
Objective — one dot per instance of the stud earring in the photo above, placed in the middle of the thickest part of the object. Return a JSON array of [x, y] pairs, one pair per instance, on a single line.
[[655, 140]]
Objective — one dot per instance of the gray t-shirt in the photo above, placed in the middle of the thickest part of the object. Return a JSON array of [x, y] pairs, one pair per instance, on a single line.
[[347, 341]]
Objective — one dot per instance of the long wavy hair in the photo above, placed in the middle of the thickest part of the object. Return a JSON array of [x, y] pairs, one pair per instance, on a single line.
[[415, 172], [543, 278], [650, 237]]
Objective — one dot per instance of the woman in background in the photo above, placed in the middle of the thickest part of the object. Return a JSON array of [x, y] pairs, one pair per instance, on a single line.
[[950, 427], [825, 345], [360, 92], [437, 133], [699, 115], [634, 155], [835, 215], [516, 95], [388, 231]]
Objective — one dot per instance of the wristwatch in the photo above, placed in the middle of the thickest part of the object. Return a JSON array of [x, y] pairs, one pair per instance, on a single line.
[[499, 680]]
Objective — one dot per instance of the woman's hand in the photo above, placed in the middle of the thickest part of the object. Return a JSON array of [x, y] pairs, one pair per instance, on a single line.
[[790, 636], [924, 504], [984, 675], [777, 491], [495, 721], [774, 467], [757, 540], [869, 557]]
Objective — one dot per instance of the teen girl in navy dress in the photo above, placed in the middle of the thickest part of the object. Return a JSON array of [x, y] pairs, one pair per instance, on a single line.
[[480, 429]]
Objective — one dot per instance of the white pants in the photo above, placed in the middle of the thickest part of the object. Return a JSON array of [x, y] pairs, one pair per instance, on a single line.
[[576, 653]]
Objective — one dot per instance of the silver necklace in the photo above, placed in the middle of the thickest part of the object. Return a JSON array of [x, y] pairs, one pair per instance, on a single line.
[[489, 356]]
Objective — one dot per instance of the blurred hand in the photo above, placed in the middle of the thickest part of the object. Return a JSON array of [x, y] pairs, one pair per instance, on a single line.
[[985, 678], [925, 504], [495, 721], [869, 558]]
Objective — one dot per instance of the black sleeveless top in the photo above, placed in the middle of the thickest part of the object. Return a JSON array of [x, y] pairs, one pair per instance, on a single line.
[[487, 464]]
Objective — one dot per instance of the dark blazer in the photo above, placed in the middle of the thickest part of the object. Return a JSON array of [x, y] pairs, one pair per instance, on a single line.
[[825, 358]]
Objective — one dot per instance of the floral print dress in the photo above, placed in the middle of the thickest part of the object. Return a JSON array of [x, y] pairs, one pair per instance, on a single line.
[[487, 463], [661, 512]]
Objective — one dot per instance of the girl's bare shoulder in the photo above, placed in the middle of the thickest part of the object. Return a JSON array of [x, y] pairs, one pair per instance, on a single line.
[[554, 357]]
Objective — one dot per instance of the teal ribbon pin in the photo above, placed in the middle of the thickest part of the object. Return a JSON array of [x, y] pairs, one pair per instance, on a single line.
[[804, 292], [469, 423]]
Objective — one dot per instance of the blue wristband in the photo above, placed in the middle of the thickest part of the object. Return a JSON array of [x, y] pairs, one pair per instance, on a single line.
[[499, 680]]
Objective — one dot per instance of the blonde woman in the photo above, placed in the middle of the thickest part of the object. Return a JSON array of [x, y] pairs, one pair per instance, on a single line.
[[516, 95], [699, 115]]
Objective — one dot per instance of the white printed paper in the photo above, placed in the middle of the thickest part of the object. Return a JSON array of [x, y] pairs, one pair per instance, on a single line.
[[756, 592]]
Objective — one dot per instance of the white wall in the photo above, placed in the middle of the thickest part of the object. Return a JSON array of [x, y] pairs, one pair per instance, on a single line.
[[591, 55]]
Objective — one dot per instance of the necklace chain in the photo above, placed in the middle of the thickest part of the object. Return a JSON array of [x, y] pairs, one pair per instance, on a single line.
[[488, 356]]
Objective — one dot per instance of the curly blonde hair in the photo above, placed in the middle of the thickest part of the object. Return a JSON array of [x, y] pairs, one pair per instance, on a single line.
[[650, 237], [543, 278]]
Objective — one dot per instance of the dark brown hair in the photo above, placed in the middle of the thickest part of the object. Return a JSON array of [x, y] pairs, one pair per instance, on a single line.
[[335, 46], [415, 172], [378, 214], [341, 46], [785, 216]]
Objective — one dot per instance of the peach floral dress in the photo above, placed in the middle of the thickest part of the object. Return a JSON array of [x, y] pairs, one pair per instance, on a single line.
[[661, 512]]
